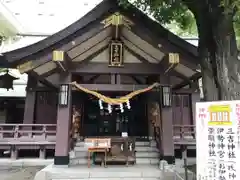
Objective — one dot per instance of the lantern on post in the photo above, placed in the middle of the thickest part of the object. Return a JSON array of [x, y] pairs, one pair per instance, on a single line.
[[63, 95], [166, 96], [6, 80]]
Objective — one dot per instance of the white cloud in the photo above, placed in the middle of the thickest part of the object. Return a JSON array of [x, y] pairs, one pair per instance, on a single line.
[[46, 16]]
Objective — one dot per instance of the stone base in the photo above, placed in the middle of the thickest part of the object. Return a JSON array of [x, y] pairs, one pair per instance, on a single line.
[[169, 159], [61, 160], [100, 173]]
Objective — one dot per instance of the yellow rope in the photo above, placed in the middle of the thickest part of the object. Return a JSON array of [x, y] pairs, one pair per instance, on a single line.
[[113, 101]]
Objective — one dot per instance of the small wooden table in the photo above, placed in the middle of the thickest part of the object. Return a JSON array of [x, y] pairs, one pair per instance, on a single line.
[[97, 149]]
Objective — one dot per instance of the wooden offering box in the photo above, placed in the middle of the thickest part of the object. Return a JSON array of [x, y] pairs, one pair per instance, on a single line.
[[122, 151]]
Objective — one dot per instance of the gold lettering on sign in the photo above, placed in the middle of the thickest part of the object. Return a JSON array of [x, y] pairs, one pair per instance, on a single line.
[[58, 55], [116, 54], [27, 66], [174, 58]]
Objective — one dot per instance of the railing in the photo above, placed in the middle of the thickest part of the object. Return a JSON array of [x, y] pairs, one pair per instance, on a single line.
[[14, 137], [184, 132], [28, 131]]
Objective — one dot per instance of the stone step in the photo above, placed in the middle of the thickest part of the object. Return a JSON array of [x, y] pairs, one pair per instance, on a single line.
[[100, 173], [82, 172], [146, 161], [139, 161], [140, 152], [147, 154], [145, 149], [83, 154], [79, 161], [138, 143], [146, 143]]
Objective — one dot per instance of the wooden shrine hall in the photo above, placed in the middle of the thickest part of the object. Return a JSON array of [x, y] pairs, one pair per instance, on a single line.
[[111, 51]]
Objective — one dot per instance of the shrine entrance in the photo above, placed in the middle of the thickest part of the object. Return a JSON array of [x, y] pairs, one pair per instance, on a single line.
[[100, 122]]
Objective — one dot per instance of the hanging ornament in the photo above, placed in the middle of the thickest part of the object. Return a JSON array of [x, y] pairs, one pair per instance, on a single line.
[[121, 108], [6, 81], [100, 104], [128, 104], [109, 108]]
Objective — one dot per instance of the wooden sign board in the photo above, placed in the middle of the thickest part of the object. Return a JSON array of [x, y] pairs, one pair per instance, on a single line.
[[97, 143], [116, 54]]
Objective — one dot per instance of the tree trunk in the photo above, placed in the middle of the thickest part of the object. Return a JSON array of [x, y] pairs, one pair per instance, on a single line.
[[217, 51], [227, 64], [206, 51]]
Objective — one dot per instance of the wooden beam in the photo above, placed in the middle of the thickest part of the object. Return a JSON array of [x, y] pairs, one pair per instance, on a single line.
[[185, 91], [113, 87], [143, 60], [42, 80], [92, 79], [129, 68], [60, 58], [45, 56], [169, 68], [159, 38], [72, 65], [99, 45], [185, 83], [136, 79]]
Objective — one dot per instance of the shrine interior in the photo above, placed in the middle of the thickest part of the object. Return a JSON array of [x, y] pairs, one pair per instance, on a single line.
[[112, 121]]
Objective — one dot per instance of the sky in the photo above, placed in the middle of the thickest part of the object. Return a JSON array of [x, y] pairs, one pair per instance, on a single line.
[[46, 16]]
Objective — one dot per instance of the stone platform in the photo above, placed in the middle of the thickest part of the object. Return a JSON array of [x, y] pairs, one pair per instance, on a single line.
[[79, 172]]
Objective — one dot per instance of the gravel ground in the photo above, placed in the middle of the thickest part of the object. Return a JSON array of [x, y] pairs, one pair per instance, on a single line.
[[18, 173]]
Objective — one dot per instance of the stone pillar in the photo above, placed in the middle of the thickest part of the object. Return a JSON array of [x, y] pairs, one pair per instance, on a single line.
[[167, 128], [63, 127], [30, 101]]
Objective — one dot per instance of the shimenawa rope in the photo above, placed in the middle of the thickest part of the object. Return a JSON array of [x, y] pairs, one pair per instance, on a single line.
[[114, 101]]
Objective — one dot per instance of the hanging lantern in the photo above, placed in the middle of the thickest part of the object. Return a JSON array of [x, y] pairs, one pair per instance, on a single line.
[[6, 81], [63, 95], [166, 96]]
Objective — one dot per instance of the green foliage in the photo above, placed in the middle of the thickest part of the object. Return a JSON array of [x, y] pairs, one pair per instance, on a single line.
[[172, 13]]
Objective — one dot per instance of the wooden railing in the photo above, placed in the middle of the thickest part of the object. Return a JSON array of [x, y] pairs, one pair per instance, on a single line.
[[184, 131], [14, 137], [27, 131], [184, 134]]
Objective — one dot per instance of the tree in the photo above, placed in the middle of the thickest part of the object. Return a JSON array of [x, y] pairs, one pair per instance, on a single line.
[[217, 22]]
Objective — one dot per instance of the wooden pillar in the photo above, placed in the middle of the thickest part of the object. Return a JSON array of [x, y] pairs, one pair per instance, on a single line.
[[195, 97], [30, 101], [167, 128], [63, 127]]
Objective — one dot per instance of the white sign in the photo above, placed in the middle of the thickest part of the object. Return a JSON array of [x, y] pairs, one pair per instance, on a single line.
[[124, 134], [218, 132]]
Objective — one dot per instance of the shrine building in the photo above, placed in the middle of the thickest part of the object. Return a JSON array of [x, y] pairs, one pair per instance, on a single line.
[[109, 53]]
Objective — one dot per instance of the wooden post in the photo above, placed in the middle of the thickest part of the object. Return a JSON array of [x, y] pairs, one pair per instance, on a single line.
[[167, 128], [30, 101], [63, 126]]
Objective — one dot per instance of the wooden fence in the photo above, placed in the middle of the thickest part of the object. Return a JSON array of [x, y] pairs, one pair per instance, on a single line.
[[14, 137]]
